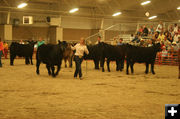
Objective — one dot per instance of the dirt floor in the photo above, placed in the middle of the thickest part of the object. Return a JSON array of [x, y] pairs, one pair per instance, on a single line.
[[101, 95]]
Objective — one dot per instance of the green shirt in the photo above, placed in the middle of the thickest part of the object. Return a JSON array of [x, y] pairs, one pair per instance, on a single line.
[[40, 43]]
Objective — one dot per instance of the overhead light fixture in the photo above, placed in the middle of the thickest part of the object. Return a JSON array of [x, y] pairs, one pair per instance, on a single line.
[[145, 3], [73, 10], [178, 8], [116, 14], [153, 17], [22, 5], [147, 14]]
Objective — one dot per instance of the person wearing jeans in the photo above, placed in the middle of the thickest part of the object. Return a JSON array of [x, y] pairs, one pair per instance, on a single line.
[[80, 48], [1, 51]]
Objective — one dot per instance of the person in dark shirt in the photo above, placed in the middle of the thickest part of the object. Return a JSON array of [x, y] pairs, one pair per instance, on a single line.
[[145, 31]]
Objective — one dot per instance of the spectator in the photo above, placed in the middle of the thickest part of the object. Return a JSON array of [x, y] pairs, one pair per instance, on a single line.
[[1, 51], [171, 30], [178, 43], [166, 42], [145, 31], [175, 28], [170, 38], [151, 30], [176, 37], [131, 37], [114, 42], [21, 42], [155, 37], [5, 45], [140, 31], [136, 39], [120, 42], [164, 53], [98, 40], [150, 43], [175, 47], [142, 43], [40, 42], [160, 27], [161, 36]]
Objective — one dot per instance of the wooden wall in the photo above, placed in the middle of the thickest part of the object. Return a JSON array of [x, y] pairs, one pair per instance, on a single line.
[[2, 31], [75, 34], [27, 32]]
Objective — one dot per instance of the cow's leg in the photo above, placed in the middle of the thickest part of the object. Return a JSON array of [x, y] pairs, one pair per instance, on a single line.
[[117, 65], [108, 62], [121, 66], [127, 67], [96, 63], [65, 60], [31, 60], [147, 68], [58, 68], [48, 68], [71, 61], [132, 69], [52, 69], [152, 68], [38, 62], [102, 64], [26, 60], [12, 57]]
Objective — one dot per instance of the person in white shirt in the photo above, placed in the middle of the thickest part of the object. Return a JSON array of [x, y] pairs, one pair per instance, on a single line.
[[176, 37], [21, 42], [159, 27], [98, 40], [175, 28], [80, 48]]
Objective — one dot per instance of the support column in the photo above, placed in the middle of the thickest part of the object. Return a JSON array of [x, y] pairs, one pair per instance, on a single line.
[[8, 17], [7, 32], [59, 34], [56, 33], [102, 31]]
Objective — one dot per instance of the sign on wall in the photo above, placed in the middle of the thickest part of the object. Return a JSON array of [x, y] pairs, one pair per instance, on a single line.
[[27, 20]]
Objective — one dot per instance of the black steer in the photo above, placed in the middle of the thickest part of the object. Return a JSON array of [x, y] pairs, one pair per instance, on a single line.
[[112, 53], [21, 50], [145, 55], [94, 54], [50, 55]]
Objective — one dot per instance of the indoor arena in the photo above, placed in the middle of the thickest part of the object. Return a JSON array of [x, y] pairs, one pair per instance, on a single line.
[[89, 59]]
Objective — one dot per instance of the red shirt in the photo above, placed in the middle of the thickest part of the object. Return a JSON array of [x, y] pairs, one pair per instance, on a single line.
[[1, 46]]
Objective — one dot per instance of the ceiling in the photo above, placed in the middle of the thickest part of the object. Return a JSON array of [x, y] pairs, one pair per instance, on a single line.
[[131, 9]]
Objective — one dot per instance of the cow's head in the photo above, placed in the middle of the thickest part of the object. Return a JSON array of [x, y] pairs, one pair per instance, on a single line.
[[63, 45], [157, 47]]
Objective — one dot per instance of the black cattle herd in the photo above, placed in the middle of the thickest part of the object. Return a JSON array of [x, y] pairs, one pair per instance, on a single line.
[[52, 55]]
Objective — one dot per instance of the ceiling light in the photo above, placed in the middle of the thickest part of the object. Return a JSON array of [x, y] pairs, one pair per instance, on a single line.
[[153, 17], [73, 10], [178, 8], [147, 14], [22, 5], [145, 3], [116, 14]]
